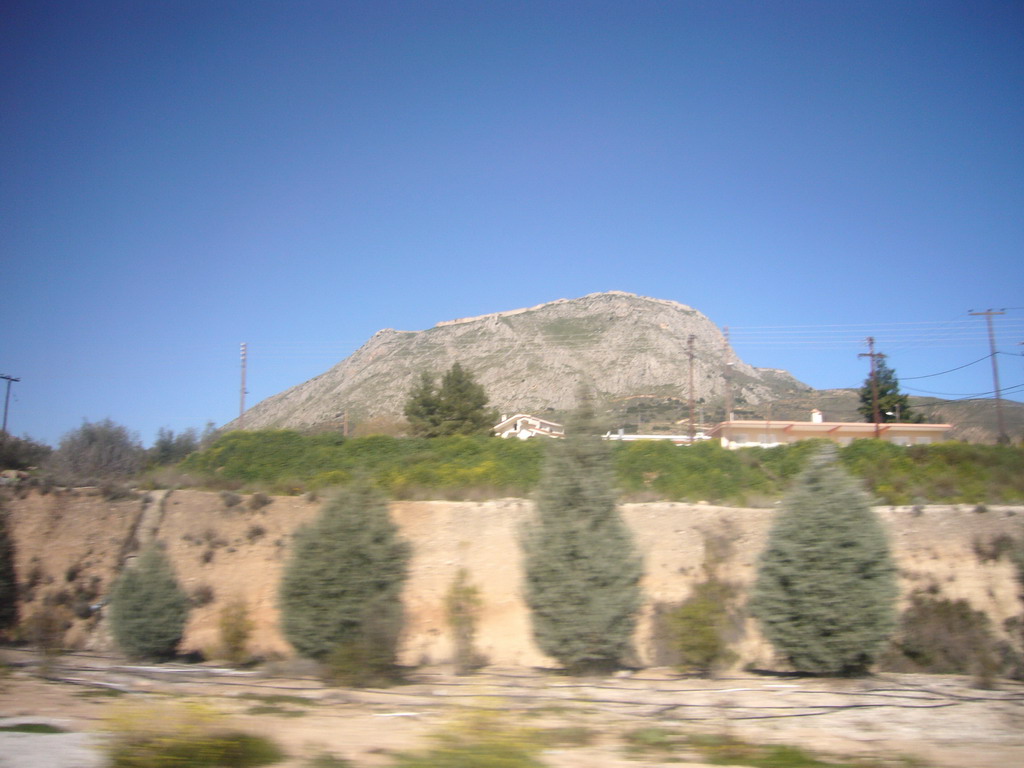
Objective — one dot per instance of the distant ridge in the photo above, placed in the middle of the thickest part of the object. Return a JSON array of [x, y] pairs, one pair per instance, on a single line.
[[533, 359]]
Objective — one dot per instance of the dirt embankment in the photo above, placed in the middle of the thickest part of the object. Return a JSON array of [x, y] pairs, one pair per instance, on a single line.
[[71, 545]]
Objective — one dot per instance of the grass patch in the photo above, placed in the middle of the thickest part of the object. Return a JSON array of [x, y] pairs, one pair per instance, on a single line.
[[477, 740], [562, 736], [327, 760], [728, 750], [182, 736], [652, 739], [31, 728], [276, 710], [100, 693], [278, 699]]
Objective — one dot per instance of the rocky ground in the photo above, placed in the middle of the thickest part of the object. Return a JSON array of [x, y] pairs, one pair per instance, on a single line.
[[938, 720]]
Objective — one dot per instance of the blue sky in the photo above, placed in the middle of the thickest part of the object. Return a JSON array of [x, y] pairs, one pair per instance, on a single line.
[[179, 177]]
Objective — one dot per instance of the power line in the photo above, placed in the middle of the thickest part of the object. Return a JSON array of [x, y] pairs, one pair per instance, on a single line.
[[941, 373], [966, 394]]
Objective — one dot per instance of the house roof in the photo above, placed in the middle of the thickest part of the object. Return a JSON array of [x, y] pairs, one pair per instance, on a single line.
[[824, 428], [509, 420]]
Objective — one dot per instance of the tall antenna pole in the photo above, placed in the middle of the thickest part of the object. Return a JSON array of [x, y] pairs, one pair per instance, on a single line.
[[241, 403], [7, 399], [876, 413], [689, 354], [987, 314]]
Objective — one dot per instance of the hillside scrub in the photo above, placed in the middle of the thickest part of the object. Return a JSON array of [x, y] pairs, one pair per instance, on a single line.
[[8, 576], [284, 460], [96, 452]]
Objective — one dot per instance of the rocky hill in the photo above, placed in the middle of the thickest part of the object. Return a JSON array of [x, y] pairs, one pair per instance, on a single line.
[[620, 345]]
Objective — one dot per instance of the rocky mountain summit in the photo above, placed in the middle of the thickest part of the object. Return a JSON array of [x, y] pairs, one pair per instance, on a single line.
[[620, 345]]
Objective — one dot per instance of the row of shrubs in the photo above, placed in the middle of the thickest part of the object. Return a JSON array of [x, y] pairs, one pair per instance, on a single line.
[[286, 461]]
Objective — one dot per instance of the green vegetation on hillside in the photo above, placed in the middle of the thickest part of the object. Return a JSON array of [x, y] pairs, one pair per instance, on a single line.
[[8, 576], [285, 461]]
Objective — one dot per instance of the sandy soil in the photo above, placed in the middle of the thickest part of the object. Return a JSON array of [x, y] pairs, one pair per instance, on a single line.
[[939, 720], [72, 540]]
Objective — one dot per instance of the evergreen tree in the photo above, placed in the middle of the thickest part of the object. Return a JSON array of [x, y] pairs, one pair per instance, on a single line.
[[8, 576], [344, 579], [423, 408], [170, 448], [826, 585], [892, 404], [148, 608], [458, 407], [581, 569]]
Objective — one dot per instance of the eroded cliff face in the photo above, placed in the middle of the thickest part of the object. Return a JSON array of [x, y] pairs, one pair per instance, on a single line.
[[617, 344], [71, 544]]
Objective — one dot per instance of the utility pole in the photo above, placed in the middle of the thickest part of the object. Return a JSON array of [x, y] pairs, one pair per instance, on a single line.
[[876, 414], [689, 354], [987, 314], [727, 375], [241, 403], [7, 399]]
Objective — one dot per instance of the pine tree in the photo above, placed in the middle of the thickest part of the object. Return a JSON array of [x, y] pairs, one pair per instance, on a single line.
[[458, 407], [826, 587], [423, 408], [581, 568], [8, 576], [344, 579], [892, 404], [148, 608]]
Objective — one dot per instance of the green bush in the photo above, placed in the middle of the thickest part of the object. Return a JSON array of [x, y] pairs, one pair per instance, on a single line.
[[96, 452], [462, 608], [478, 740], [364, 662], [8, 576], [701, 626], [235, 627], [148, 608], [182, 737], [942, 636]]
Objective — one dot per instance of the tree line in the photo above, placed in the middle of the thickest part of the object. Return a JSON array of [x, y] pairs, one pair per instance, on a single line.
[[824, 595]]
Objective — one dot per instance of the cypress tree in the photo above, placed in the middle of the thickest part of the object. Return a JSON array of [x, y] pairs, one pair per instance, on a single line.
[[826, 587], [581, 569], [8, 576], [148, 608], [344, 579]]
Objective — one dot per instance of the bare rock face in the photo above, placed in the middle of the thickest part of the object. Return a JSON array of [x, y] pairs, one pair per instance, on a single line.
[[530, 360]]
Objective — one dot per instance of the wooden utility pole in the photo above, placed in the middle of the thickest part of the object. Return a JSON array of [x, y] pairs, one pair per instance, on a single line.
[[876, 413], [689, 354], [7, 399], [241, 396], [1001, 425], [727, 375]]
